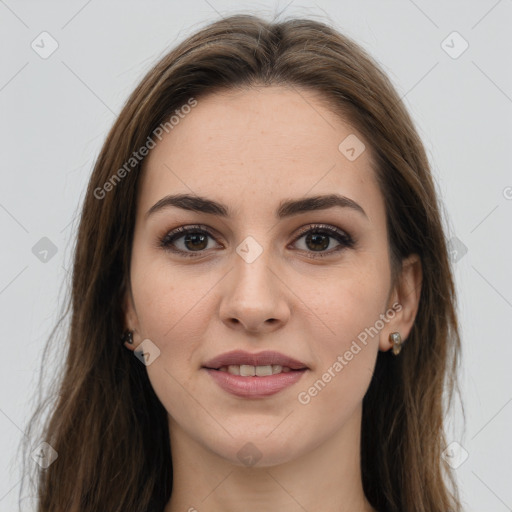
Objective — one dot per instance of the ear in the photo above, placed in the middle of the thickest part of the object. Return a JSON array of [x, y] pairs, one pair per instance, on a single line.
[[404, 300], [131, 321]]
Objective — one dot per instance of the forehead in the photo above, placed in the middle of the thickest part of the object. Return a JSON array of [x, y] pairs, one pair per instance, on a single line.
[[261, 144]]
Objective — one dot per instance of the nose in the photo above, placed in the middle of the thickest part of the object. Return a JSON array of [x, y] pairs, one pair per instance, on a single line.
[[254, 297]]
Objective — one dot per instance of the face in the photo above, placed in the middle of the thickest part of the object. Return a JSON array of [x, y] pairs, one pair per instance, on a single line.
[[313, 284]]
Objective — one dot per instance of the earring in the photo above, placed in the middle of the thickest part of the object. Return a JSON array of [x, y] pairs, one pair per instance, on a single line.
[[127, 337], [396, 339]]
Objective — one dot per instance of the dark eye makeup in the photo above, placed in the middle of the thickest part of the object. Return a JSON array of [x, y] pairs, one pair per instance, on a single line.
[[197, 236]]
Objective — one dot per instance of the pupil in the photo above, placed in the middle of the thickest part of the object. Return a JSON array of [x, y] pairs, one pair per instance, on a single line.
[[195, 239], [316, 239]]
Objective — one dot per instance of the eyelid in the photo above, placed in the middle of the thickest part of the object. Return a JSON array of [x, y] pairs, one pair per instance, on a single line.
[[175, 234], [344, 239], [321, 228]]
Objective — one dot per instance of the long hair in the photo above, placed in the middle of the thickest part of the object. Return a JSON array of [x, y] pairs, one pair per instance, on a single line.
[[107, 426]]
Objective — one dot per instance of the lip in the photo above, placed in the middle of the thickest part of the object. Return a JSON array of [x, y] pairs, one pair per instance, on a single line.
[[267, 357], [254, 387]]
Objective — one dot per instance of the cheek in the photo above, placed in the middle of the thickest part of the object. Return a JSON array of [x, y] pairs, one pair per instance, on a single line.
[[345, 355], [168, 305], [170, 314], [351, 301], [350, 308]]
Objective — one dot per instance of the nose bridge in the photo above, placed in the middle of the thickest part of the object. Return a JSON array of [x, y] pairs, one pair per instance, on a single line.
[[252, 294], [253, 266]]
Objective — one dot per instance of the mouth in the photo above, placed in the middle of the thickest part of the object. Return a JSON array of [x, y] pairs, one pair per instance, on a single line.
[[246, 370], [239, 362], [259, 375], [254, 386]]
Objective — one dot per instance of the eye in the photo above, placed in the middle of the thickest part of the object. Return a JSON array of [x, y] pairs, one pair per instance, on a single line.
[[195, 239], [317, 238]]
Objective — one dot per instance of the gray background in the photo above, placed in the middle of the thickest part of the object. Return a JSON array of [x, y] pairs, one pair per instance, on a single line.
[[56, 111]]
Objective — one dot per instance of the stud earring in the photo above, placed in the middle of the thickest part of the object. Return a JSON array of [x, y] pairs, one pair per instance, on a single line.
[[396, 339], [127, 337]]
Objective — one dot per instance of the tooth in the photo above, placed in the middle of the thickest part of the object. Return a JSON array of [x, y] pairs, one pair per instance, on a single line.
[[261, 371], [234, 369], [247, 370]]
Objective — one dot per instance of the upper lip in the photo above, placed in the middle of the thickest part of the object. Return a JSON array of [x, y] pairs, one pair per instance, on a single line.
[[268, 357]]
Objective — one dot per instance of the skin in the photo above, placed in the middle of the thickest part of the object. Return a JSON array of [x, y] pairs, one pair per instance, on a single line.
[[249, 150]]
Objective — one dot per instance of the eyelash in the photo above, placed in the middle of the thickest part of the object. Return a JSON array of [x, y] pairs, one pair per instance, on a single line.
[[345, 240]]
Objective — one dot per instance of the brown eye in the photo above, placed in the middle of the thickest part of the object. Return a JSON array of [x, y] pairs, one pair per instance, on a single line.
[[195, 240], [190, 241], [318, 239]]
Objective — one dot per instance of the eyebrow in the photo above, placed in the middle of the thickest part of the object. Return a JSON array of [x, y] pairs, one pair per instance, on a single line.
[[286, 208]]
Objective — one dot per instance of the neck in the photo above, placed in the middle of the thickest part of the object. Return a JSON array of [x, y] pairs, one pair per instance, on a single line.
[[326, 478]]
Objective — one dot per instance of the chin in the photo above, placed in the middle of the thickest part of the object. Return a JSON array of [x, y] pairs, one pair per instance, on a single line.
[[258, 450]]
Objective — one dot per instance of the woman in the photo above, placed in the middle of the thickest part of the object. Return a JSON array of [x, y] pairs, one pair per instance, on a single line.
[[262, 231]]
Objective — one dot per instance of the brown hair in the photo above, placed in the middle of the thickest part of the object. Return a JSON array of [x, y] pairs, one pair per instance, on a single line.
[[108, 427]]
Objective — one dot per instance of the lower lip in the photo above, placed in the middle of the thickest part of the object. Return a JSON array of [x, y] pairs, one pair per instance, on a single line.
[[255, 387]]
